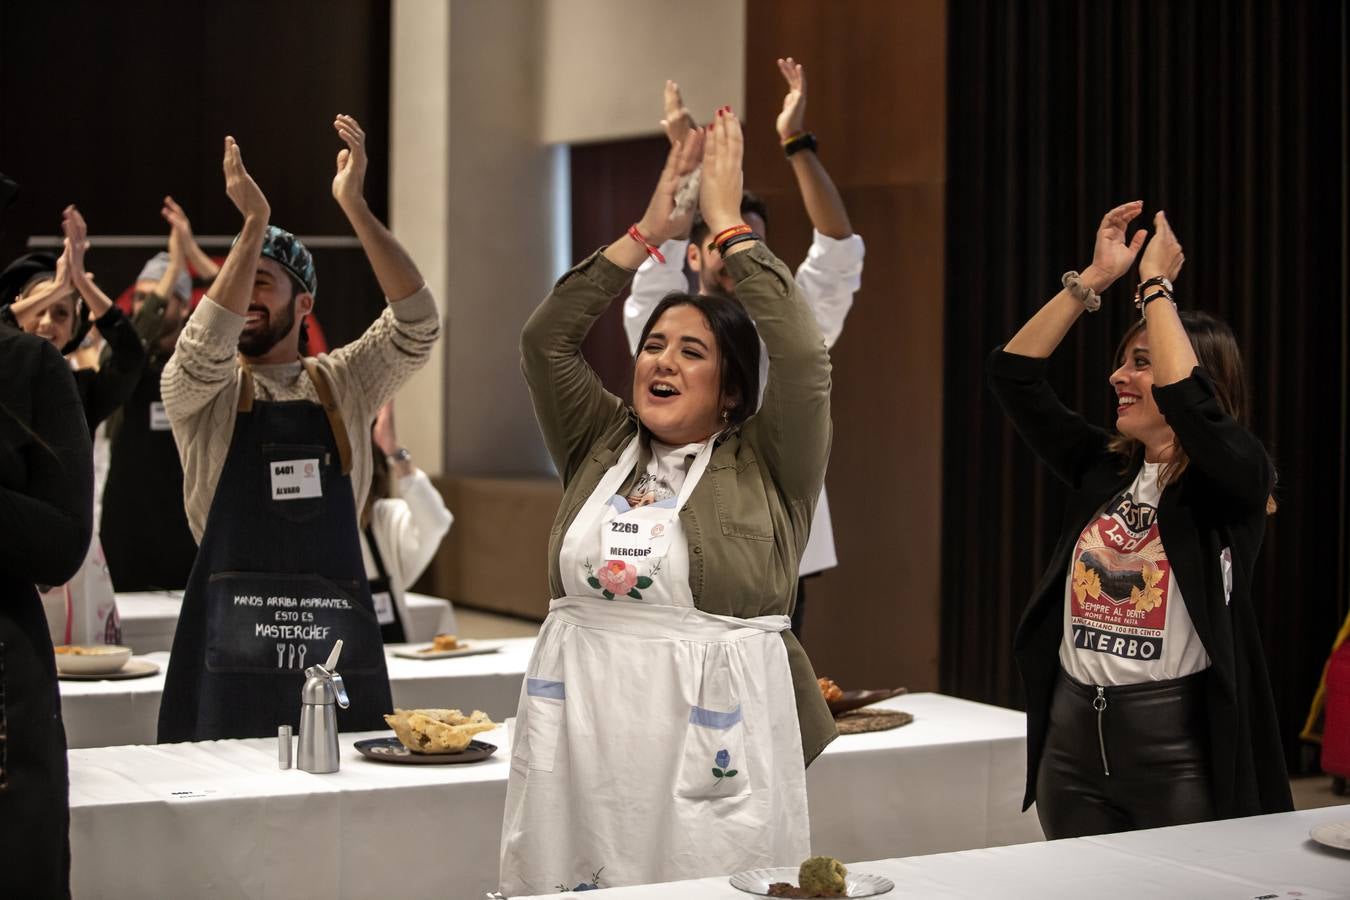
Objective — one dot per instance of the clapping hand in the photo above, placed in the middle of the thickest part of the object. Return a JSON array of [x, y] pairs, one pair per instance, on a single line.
[[677, 122], [1112, 256], [242, 190], [349, 180], [656, 223], [1163, 254], [720, 196], [791, 120], [76, 233]]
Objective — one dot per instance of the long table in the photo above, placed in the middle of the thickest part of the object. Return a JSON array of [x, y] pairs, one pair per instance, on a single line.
[[149, 618], [218, 819], [1235, 859], [109, 713]]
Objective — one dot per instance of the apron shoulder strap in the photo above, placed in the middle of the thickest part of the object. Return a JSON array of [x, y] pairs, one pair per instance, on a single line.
[[375, 553], [245, 388], [329, 402]]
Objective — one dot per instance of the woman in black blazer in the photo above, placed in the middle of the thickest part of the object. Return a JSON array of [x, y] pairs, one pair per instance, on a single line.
[[1148, 702]]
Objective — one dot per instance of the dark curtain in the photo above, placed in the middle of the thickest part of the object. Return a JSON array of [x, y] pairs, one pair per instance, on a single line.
[[1230, 116]]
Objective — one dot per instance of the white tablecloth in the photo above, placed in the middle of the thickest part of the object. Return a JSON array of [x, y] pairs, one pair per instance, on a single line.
[[109, 713], [149, 618], [219, 817], [1237, 859]]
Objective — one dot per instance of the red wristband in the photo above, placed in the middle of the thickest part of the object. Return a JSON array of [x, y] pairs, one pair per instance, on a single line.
[[646, 244]]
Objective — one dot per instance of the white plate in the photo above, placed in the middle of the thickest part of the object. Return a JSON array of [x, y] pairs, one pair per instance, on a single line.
[[1332, 834], [465, 648], [101, 659], [135, 668], [757, 881]]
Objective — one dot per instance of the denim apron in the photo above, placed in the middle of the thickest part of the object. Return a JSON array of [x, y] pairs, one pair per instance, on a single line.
[[277, 580], [389, 604], [145, 533]]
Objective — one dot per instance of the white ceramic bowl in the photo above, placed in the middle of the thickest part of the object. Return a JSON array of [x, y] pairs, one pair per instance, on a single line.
[[94, 659]]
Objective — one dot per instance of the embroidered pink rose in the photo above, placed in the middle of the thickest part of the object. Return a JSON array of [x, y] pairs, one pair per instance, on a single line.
[[617, 577]]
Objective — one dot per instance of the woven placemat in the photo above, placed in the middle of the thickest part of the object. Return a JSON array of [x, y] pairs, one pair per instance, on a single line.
[[863, 720]]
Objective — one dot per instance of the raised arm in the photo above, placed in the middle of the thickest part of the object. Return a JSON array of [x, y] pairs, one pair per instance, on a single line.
[[791, 431], [571, 405], [821, 197], [1017, 372], [180, 232], [203, 363], [1112, 257], [657, 277], [394, 269], [1218, 447], [400, 341]]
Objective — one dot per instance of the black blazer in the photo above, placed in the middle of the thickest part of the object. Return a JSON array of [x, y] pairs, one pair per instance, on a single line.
[[1218, 502]]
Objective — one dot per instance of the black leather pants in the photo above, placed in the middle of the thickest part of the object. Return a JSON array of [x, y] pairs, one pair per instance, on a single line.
[[1121, 758]]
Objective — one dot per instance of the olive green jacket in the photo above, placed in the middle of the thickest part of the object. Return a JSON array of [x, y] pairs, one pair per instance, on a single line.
[[749, 516]]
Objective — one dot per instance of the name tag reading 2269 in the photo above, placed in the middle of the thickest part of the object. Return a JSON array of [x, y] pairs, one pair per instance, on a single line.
[[295, 479]]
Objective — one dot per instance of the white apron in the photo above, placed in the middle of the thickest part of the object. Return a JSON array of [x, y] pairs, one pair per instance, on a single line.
[[653, 741], [84, 609]]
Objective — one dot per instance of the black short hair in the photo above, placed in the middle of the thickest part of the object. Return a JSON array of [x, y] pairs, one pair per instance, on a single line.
[[737, 342], [750, 203]]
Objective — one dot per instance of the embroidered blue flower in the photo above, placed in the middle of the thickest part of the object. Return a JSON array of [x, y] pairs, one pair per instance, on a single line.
[[592, 885], [722, 760]]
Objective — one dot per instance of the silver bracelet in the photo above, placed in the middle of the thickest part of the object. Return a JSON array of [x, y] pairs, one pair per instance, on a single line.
[[1081, 292]]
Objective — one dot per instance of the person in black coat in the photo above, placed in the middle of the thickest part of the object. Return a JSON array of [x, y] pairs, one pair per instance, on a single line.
[[1148, 700], [46, 512]]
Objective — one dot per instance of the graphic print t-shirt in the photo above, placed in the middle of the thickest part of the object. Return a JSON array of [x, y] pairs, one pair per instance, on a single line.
[[1124, 618]]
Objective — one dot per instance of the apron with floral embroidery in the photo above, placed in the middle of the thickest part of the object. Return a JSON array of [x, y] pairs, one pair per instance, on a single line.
[[653, 741]]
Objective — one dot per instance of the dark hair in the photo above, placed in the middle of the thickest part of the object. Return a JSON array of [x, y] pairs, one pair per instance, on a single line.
[[737, 342], [1216, 349], [750, 203]]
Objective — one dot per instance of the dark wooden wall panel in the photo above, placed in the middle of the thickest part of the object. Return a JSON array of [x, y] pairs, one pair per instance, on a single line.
[[113, 105], [876, 89]]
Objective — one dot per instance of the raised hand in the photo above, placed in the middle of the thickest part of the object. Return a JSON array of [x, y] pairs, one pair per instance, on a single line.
[[349, 180], [76, 233], [177, 219], [677, 122], [720, 196], [656, 223], [1112, 255], [791, 119], [183, 242], [1163, 254], [77, 242], [240, 187]]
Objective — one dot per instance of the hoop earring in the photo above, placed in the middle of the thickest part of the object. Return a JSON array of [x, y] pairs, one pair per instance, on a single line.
[[726, 417]]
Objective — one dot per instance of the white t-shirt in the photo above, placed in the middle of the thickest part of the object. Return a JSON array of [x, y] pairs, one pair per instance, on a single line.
[[1125, 621]]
